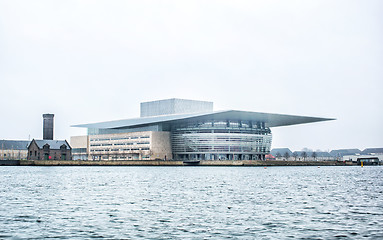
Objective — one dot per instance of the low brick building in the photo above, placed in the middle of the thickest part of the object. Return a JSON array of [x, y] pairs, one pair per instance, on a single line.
[[49, 150]]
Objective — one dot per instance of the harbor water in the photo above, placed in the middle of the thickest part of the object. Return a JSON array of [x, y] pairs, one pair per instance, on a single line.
[[191, 202]]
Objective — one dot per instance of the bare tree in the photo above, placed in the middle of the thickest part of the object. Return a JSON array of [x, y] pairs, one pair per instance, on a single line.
[[314, 155], [295, 155], [278, 155], [286, 155], [304, 155]]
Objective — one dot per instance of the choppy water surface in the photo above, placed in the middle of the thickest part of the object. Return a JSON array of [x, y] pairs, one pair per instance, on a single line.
[[191, 202]]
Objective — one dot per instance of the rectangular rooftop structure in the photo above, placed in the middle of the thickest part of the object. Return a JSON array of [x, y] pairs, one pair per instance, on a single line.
[[174, 106]]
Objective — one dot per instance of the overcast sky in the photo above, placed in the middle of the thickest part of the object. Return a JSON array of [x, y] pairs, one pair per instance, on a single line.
[[90, 61]]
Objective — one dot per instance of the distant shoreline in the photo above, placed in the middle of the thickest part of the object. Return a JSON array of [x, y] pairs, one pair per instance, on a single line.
[[254, 163]]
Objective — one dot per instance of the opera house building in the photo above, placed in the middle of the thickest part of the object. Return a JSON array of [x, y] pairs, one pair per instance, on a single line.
[[182, 129]]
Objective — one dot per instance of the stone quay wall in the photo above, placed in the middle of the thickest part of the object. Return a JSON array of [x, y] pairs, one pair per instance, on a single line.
[[181, 163]]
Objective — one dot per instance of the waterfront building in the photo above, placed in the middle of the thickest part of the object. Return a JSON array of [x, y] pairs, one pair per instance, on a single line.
[[13, 149], [185, 130], [372, 151], [280, 153], [367, 159], [80, 147], [312, 156], [49, 150], [339, 153]]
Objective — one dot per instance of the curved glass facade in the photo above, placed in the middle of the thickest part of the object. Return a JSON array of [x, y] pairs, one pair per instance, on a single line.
[[221, 140]]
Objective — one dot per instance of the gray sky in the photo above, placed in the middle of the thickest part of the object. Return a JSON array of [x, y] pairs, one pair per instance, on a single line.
[[89, 61]]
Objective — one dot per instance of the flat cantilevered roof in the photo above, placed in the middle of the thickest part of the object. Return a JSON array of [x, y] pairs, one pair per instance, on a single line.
[[270, 119]]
